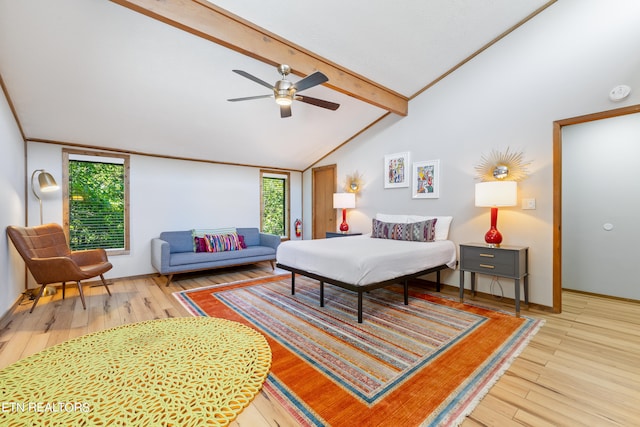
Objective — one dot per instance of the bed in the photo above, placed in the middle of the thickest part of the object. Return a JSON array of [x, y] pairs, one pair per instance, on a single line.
[[364, 263]]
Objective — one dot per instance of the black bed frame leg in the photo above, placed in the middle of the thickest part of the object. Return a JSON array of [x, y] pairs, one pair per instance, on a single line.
[[321, 294], [359, 306], [406, 292], [293, 283], [438, 281]]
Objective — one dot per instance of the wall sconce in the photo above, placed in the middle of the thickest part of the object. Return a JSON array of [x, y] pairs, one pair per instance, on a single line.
[[353, 183], [501, 165], [46, 183], [344, 201], [495, 194]]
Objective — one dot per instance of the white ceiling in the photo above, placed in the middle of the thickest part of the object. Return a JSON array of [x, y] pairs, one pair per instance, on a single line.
[[94, 73]]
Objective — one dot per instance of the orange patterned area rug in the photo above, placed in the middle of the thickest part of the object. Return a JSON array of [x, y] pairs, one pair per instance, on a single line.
[[426, 363]]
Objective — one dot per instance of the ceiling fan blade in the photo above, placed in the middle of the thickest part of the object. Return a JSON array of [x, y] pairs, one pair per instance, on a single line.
[[248, 98], [254, 78], [310, 81], [285, 111], [318, 102]]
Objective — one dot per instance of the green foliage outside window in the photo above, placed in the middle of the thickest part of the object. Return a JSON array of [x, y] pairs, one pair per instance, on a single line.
[[273, 199], [96, 205]]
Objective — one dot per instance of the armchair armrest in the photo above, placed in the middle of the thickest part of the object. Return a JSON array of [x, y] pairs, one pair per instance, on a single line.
[[89, 257], [270, 240]]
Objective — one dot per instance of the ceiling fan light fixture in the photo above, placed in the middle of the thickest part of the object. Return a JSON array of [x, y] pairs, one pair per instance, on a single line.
[[285, 92], [283, 100]]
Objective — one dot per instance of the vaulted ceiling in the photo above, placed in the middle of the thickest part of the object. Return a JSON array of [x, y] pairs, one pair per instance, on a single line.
[[153, 77]]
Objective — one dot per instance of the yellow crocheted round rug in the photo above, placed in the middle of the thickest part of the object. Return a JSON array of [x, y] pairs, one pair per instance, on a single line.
[[192, 371]]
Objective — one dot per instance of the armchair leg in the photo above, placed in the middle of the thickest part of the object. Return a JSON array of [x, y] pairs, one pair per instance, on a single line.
[[84, 305], [104, 282], [64, 286], [37, 298]]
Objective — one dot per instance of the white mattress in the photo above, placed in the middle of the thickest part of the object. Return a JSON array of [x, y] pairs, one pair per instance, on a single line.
[[363, 260]]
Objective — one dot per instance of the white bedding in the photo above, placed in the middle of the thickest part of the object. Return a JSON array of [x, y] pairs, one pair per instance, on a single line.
[[362, 260]]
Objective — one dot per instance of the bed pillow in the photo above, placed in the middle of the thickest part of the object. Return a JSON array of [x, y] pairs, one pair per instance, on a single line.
[[442, 225], [423, 231]]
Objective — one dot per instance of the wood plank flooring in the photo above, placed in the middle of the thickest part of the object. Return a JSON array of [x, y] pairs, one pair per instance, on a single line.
[[581, 369]]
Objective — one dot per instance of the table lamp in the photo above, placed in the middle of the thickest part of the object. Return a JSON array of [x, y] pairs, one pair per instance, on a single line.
[[495, 194], [344, 201]]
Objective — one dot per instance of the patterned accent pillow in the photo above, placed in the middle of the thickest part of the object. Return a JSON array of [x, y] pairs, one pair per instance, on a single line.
[[200, 233], [222, 242], [423, 231]]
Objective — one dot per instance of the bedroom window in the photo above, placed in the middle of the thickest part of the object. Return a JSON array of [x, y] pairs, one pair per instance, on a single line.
[[274, 202], [96, 200]]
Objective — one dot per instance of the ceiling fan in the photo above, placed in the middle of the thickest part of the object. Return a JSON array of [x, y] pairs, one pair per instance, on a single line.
[[285, 92]]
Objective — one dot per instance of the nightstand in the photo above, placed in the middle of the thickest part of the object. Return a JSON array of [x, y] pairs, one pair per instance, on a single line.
[[335, 234], [504, 261]]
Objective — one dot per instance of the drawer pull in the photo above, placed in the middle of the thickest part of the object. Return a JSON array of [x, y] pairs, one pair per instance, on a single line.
[[487, 266], [487, 255]]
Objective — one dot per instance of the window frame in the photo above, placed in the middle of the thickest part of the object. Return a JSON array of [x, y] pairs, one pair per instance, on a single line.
[[66, 152], [269, 173]]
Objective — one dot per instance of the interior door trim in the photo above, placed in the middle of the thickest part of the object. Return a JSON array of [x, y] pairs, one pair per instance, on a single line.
[[557, 190]]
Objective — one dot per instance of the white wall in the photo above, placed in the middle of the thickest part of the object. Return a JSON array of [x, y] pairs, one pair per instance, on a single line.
[[561, 64], [167, 195], [12, 271]]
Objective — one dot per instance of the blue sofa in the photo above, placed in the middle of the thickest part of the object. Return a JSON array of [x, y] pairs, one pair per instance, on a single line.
[[173, 252]]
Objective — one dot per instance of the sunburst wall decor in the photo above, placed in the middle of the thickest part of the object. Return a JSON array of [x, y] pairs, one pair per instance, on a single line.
[[353, 183], [505, 165]]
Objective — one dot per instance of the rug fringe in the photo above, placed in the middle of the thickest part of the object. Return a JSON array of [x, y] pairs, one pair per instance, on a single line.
[[469, 407]]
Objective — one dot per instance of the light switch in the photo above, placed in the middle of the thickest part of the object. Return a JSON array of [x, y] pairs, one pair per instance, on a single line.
[[528, 203]]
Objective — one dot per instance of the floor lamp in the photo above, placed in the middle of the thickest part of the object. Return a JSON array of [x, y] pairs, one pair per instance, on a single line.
[[46, 184]]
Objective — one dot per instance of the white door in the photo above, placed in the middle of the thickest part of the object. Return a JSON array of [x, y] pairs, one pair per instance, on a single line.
[[601, 206]]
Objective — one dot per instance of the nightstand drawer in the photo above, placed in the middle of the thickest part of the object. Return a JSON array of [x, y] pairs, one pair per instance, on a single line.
[[492, 261]]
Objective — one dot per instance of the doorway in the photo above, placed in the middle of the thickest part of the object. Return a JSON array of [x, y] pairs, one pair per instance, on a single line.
[[324, 182], [559, 188]]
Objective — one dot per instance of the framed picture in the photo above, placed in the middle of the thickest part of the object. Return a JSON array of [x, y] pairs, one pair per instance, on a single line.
[[426, 179], [396, 170]]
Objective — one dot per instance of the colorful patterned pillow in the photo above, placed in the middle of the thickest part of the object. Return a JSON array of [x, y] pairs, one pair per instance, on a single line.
[[423, 231], [199, 233], [222, 242]]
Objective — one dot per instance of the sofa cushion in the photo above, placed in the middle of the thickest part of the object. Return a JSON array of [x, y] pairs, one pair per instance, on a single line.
[[188, 258], [251, 236], [179, 241]]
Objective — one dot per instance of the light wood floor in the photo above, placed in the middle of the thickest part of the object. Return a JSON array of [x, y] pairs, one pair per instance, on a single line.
[[581, 369]]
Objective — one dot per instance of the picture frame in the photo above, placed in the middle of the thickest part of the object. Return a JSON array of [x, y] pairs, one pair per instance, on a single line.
[[396, 170], [426, 179]]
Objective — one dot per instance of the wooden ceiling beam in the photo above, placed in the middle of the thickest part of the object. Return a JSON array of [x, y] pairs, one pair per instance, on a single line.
[[205, 20]]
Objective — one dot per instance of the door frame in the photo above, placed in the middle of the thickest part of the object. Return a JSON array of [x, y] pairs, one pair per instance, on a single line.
[[557, 190]]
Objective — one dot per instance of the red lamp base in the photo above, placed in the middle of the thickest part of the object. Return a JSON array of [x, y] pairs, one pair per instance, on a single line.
[[344, 227], [493, 236]]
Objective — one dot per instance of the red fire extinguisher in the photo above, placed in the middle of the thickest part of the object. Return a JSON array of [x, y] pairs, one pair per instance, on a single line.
[[298, 226]]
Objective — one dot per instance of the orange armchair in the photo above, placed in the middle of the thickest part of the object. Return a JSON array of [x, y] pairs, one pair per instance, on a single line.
[[48, 257]]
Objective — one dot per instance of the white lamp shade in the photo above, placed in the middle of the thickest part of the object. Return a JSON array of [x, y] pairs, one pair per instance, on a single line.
[[344, 200], [496, 193]]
